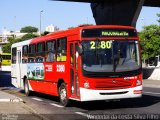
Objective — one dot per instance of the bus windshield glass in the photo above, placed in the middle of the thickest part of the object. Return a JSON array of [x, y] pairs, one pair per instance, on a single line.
[[110, 55]]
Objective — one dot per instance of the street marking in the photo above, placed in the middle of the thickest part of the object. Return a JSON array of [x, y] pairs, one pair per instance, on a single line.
[[57, 105], [11, 100], [5, 100], [37, 99], [80, 113], [152, 93]]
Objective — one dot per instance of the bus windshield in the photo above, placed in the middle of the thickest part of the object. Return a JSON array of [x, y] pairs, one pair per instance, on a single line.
[[110, 55]]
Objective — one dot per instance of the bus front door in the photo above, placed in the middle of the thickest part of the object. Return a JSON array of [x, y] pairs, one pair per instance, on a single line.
[[18, 68], [74, 70]]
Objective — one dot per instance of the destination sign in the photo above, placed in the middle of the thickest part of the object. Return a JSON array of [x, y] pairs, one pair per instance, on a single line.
[[108, 33], [114, 33]]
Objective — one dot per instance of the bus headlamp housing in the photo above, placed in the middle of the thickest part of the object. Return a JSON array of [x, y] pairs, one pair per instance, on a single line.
[[138, 82], [86, 85]]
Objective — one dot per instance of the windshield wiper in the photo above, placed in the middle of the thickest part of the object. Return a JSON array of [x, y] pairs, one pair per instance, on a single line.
[[116, 62], [97, 50], [116, 58]]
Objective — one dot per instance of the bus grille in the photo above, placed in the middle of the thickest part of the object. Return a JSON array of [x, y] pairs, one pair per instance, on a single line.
[[112, 84]]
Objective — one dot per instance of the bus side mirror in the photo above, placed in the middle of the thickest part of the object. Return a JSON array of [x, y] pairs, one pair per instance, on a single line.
[[80, 50]]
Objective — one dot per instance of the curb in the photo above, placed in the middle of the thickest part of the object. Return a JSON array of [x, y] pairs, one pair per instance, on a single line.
[[34, 112]]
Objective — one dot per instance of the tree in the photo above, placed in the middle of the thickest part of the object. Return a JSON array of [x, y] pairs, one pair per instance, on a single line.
[[150, 41], [81, 25], [158, 18], [28, 36], [28, 29], [7, 47], [45, 33]]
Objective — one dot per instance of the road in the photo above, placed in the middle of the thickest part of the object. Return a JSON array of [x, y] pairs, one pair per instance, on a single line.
[[48, 106]]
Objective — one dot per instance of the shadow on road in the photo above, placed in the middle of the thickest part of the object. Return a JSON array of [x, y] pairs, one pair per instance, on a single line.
[[145, 101], [44, 96]]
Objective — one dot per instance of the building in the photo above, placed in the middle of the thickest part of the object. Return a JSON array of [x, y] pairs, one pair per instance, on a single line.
[[52, 28], [3, 40], [6, 34]]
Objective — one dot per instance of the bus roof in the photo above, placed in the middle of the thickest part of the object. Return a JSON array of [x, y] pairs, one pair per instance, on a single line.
[[74, 31], [26, 42]]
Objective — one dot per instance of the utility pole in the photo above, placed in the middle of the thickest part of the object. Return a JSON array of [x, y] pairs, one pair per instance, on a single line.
[[40, 21]]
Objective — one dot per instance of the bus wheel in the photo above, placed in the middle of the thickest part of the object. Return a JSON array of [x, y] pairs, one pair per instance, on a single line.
[[26, 88], [63, 95]]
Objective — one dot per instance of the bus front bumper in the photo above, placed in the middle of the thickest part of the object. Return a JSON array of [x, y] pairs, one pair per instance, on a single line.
[[91, 95]]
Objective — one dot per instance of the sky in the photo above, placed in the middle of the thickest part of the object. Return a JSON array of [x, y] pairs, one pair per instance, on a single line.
[[15, 14]]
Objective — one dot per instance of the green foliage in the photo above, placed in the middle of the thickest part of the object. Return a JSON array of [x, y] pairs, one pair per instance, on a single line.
[[7, 47], [28, 29], [45, 33], [81, 25], [150, 41], [158, 18], [28, 36]]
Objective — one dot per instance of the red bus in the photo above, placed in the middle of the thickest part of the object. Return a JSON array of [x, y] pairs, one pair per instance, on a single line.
[[85, 64]]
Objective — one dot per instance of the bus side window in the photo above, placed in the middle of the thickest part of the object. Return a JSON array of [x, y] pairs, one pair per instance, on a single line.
[[32, 53], [40, 52], [14, 54], [51, 51], [25, 54], [61, 49]]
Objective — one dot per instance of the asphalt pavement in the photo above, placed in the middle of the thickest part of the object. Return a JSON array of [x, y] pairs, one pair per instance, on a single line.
[[151, 83]]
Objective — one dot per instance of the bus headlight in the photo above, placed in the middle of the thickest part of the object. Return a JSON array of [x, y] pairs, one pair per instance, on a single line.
[[138, 82], [86, 85]]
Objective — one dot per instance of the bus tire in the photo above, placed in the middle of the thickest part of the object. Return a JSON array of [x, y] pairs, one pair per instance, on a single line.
[[63, 95], [26, 88]]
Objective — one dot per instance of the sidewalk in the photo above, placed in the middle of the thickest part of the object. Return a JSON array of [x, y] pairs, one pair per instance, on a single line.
[[5, 97], [151, 83], [12, 107]]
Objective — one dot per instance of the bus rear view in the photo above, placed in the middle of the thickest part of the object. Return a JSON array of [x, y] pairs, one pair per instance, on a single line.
[[111, 64]]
